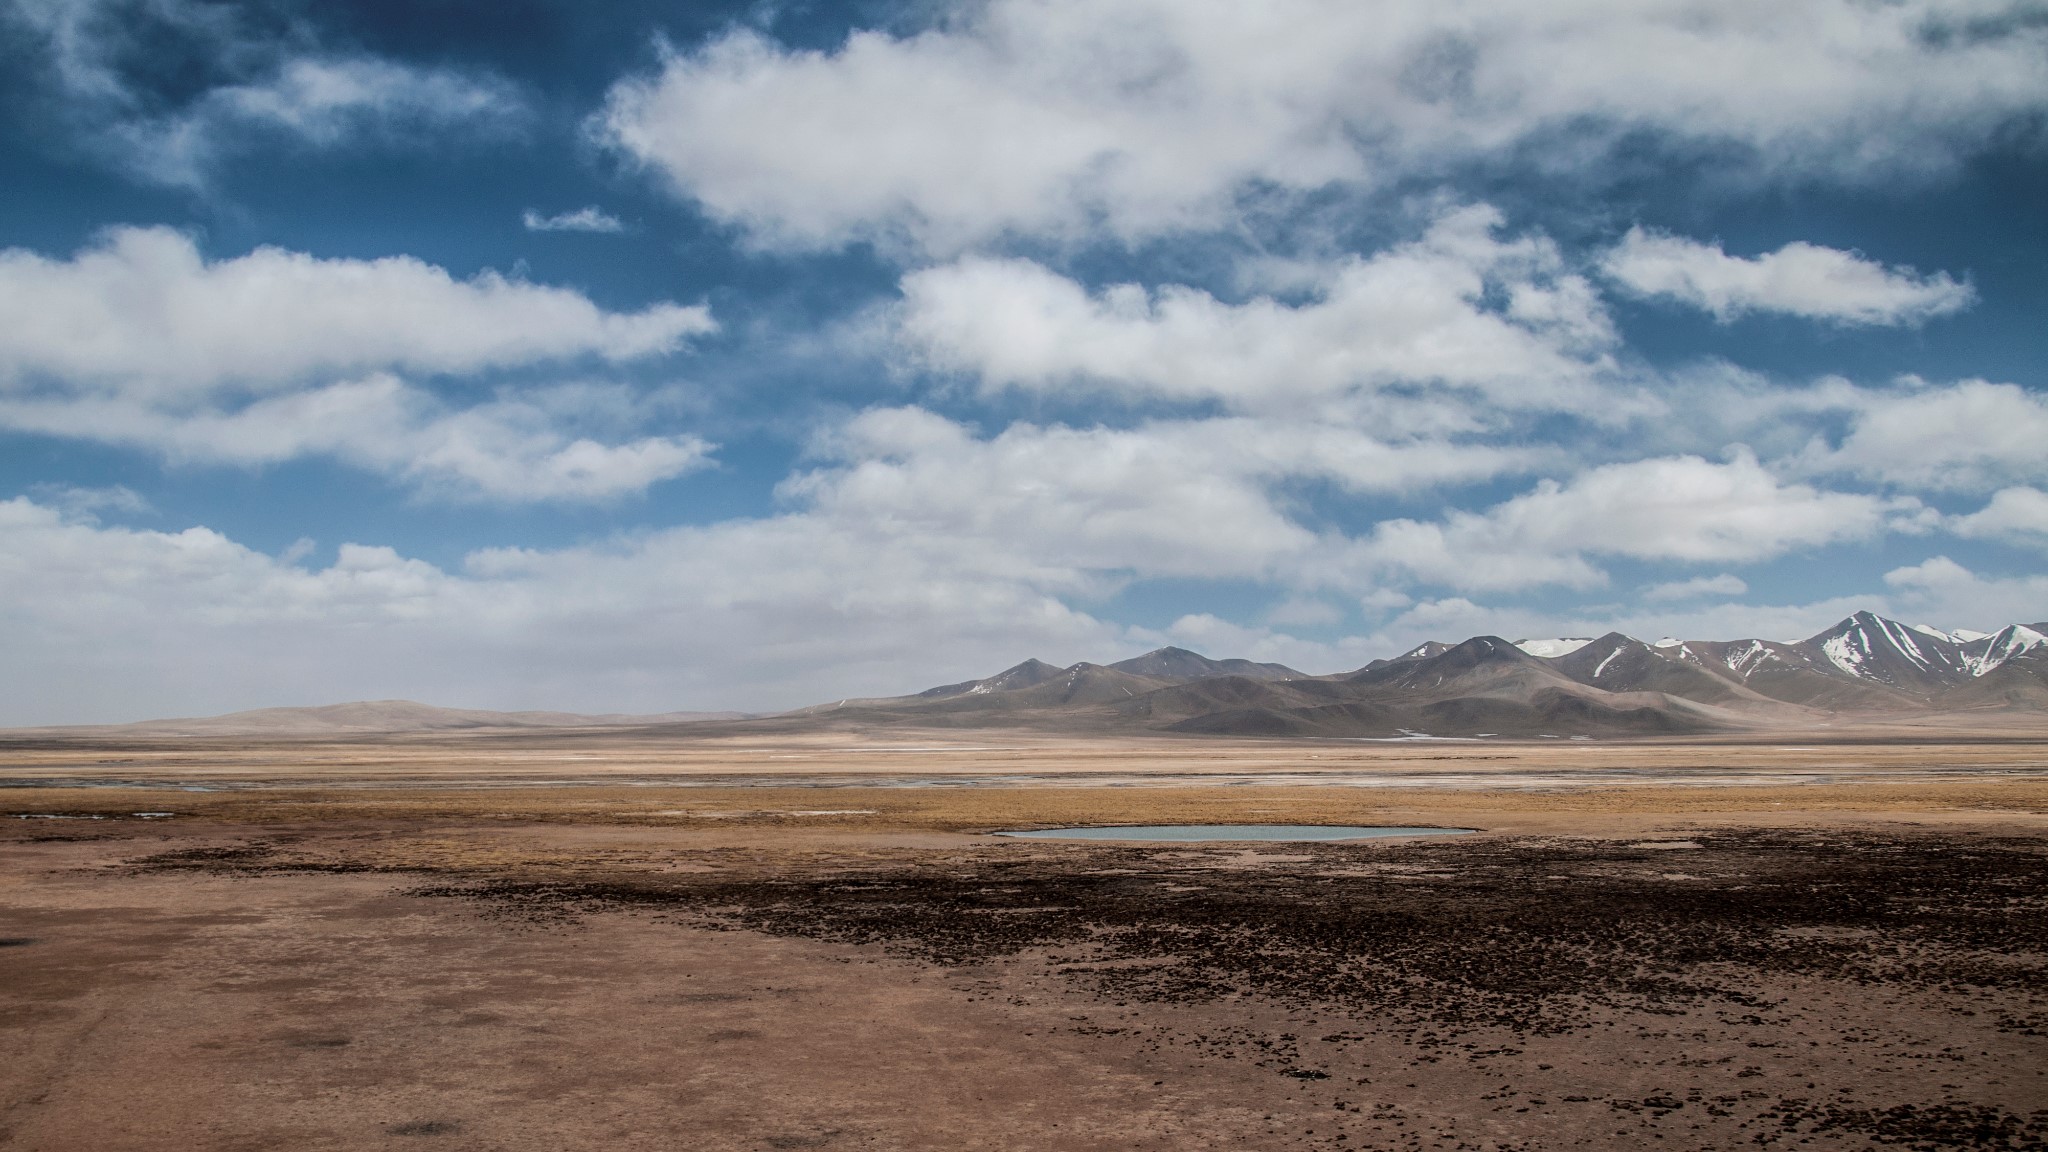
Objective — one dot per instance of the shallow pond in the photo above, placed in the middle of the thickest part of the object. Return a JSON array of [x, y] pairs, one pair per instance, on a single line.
[[1189, 832]]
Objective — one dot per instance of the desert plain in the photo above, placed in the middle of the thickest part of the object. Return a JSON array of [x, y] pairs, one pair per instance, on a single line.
[[655, 940]]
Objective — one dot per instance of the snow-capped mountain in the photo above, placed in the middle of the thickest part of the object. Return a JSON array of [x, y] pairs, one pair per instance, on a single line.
[[1865, 661], [1865, 667]]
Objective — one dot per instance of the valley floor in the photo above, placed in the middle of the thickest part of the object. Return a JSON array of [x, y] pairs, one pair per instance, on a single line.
[[466, 945]]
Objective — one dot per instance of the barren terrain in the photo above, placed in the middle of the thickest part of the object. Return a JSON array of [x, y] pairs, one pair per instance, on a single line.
[[597, 940]]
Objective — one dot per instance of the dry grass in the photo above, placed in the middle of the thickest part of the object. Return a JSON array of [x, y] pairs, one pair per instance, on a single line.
[[957, 809]]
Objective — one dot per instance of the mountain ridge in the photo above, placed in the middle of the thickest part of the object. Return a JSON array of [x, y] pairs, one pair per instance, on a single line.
[[1864, 666], [1614, 685]]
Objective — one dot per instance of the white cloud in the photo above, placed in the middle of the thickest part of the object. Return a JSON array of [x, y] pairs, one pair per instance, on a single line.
[[1673, 508], [845, 595], [143, 310], [1168, 498], [1722, 585], [1941, 589], [80, 502], [1799, 279], [509, 449], [141, 342], [1970, 436], [116, 624], [1304, 611], [1056, 498], [2016, 514], [587, 219], [1059, 118], [1459, 307]]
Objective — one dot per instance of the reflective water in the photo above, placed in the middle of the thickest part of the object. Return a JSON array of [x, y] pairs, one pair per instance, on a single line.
[[1186, 832]]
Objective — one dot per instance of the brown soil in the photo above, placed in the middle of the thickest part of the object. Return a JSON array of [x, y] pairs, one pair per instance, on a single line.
[[303, 964]]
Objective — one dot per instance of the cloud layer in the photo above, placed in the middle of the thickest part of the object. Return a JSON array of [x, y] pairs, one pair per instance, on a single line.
[[1064, 118], [143, 308], [109, 623], [1459, 307], [1678, 508], [265, 357], [253, 90]]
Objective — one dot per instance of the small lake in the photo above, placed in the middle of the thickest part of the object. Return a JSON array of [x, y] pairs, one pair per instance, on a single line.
[[1289, 833]]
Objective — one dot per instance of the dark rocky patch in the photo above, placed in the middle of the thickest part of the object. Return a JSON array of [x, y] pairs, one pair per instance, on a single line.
[[425, 1128], [1528, 936], [1919, 1126]]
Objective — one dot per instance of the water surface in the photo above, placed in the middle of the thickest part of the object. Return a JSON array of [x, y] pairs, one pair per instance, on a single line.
[[1189, 832]]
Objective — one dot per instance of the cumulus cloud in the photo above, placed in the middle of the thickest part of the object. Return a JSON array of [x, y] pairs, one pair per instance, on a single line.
[[1056, 118], [1799, 279], [143, 309], [1941, 589], [1969, 436], [139, 341], [2015, 514], [1168, 498], [1459, 307], [1721, 585], [508, 449], [1682, 508], [587, 219]]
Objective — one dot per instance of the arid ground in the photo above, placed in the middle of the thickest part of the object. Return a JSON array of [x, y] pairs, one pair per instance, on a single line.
[[589, 940]]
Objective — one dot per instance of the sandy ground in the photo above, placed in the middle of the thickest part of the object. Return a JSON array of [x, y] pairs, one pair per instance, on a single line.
[[471, 946]]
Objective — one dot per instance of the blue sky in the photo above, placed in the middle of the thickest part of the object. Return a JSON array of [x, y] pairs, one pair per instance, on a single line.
[[652, 356]]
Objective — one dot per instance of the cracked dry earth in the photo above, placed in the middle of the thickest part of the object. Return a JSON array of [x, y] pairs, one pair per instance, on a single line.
[[239, 988]]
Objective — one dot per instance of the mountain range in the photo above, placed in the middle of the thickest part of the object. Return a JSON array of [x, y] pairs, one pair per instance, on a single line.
[[1865, 667]]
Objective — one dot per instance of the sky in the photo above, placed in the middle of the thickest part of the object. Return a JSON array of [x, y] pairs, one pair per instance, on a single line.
[[635, 357]]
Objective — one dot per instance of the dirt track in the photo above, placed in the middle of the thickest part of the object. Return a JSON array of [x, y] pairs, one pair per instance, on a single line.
[[1816, 966]]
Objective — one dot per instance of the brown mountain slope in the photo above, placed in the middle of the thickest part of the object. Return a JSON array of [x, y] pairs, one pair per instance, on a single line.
[[1485, 686]]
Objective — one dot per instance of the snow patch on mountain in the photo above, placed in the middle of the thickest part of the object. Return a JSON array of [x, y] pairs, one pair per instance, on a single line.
[[1746, 658], [1562, 646], [2009, 642], [1848, 651], [1902, 640]]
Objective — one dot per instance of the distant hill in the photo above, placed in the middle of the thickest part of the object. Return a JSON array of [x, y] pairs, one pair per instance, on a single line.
[[1181, 664], [369, 717]]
